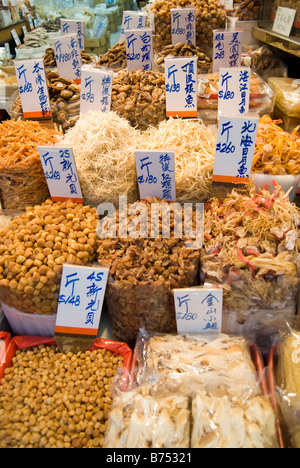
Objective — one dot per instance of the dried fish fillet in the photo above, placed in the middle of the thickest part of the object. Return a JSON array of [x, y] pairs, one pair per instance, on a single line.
[[228, 422], [140, 420]]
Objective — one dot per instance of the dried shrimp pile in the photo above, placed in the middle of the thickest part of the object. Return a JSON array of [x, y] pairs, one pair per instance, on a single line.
[[22, 180], [194, 145], [277, 152]]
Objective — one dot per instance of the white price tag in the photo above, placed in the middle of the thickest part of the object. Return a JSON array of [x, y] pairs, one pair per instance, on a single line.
[[156, 174], [60, 173], [24, 29], [96, 89], [235, 149], [80, 300], [284, 21], [74, 27], [132, 20], [234, 90], [228, 4], [139, 49], [181, 86], [33, 88], [16, 37], [7, 51], [183, 25], [30, 21], [5, 3], [199, 310], [68, 56], [227, 49]]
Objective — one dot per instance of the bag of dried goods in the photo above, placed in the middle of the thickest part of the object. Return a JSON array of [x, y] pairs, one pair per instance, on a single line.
[[103, 145], [146, 265], [34, 247], [194, 145], [209, 16], [139, 96], [183, 389], [184, 50], [64, 400], [266, 64], [287, 93], [261, 100], [22, 179], [251, 248]]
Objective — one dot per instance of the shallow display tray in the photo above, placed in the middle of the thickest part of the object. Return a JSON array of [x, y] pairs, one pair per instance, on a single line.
[[29, 324]]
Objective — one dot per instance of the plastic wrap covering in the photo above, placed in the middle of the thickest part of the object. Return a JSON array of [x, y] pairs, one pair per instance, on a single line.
[[144, 270], [76, 389], [210, 16], [265, 63], [44, 238], [261, 102], [139, 96], [251, 248], [284, 382], [287, 93], [183, 389]]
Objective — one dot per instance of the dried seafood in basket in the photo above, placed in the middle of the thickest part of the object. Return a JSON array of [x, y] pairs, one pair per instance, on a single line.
[[194, 145], [22, 179], [139, 96], [114, 59], [209, 16], [34, 247], [277, 152], [50, 60], [145, 265], [182, 392], [251, 248], [106, 165], [185, 50]]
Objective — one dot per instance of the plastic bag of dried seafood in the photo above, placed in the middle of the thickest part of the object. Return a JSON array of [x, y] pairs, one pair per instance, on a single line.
[[182, 386], [251, 248], [139, 96], [209, 16], [146, 264]]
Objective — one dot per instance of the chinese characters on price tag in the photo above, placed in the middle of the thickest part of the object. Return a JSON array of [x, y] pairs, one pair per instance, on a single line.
[[199, 310], [61, 173], [235, 149], [156, 174], [183, 21], [132, 20], [80, 302], [33, 88], [73, 27], [284, 21], [227, 49], [181, 86], [139, 49], [68, 56], [96, 89], [234, 90]]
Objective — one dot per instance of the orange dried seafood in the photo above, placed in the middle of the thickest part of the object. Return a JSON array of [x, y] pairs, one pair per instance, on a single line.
[[22, 180], [277, 152]]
